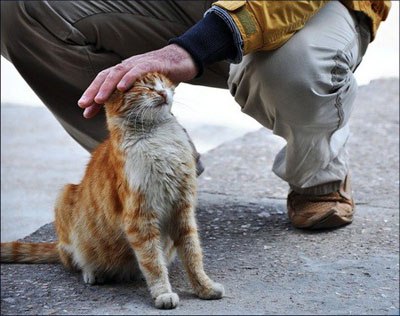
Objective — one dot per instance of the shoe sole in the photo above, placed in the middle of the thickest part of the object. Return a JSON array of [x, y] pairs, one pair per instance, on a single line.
[[332, 221]]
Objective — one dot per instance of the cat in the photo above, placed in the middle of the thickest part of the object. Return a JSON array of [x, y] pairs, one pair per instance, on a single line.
[[134, 208]]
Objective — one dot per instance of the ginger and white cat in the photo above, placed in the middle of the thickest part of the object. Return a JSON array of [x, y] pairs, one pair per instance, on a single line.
[[134, 208]]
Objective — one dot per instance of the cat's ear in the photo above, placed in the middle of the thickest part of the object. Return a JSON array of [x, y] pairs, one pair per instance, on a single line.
[[168, 82], [113, 103]]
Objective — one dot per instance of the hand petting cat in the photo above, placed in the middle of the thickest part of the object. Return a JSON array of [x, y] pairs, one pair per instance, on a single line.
[[172, 61]]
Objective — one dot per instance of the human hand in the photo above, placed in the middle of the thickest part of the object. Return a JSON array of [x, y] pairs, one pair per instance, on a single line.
[[172, 61]]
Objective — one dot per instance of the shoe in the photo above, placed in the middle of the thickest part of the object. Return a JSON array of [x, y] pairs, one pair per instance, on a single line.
[[322, 211]]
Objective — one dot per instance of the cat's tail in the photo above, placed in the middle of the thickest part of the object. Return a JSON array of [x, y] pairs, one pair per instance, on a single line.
[[19, 252]]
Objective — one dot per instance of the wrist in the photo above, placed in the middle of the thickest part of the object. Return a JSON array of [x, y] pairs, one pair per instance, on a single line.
[[208, 41], [182, 61]]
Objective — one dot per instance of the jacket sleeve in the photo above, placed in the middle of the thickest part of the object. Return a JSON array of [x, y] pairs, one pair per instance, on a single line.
[[376, 10], [267, 25], [208, 41]]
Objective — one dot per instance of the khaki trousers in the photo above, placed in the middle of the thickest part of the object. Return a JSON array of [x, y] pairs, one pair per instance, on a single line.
[[303, 91]]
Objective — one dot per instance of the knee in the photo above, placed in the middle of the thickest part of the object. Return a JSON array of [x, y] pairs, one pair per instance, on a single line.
[[316, 86], [14, 27], [283, 83], [9, 11], [298, 83], [23, 27], [297, 72]]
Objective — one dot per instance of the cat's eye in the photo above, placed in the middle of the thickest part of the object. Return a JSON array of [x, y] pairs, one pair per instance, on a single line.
[[149, 89], [144, 87]]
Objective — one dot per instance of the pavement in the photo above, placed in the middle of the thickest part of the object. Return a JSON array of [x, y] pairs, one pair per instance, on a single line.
[[266, 265]]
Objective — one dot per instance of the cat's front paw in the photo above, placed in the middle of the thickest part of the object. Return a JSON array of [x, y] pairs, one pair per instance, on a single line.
[[167, 301], [92, 278], [214, 292]]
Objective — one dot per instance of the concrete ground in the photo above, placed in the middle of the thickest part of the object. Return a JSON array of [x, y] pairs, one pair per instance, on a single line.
[[266, 265]]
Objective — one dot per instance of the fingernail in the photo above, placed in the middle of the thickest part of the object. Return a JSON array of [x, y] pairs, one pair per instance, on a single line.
[[85, 113], [82, 100]]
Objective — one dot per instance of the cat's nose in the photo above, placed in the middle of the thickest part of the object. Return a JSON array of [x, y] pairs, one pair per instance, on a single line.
[[164, 95]]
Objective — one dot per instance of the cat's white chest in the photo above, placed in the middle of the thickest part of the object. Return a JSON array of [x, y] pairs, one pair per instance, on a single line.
[[156, 167]]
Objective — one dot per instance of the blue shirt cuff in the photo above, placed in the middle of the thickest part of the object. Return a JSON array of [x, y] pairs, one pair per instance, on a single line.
[[209, 41]]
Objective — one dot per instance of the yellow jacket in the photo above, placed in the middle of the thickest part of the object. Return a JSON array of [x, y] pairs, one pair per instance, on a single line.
[[266, 25]]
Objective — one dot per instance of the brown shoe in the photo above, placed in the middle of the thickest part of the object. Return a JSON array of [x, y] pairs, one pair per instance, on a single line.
[[322, 211]]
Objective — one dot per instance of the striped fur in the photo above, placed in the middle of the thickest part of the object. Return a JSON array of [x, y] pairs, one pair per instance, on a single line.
[[134, 208], [29, 252]]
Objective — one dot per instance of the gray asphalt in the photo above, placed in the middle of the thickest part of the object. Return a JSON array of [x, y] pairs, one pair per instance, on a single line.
[[266, 265]]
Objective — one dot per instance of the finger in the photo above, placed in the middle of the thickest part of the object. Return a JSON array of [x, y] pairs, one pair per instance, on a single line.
[[130, 77], [91, 111], [88, 96], [91, 104], [109, 84]]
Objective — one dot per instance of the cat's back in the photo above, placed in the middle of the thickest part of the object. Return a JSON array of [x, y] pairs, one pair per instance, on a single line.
[[99, 191]]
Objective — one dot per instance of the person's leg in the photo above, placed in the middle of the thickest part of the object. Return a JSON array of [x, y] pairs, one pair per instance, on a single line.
[[304, 91], [59, 47]]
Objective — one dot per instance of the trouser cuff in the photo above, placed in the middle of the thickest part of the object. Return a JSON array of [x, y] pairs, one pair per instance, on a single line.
[[322, 189]]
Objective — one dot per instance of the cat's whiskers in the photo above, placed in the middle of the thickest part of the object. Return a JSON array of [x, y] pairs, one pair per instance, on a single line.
[[127, 121], [152, 114], [143, 115]]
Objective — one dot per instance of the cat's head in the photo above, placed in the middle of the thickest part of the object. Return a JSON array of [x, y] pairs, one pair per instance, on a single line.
[[149, 100]]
